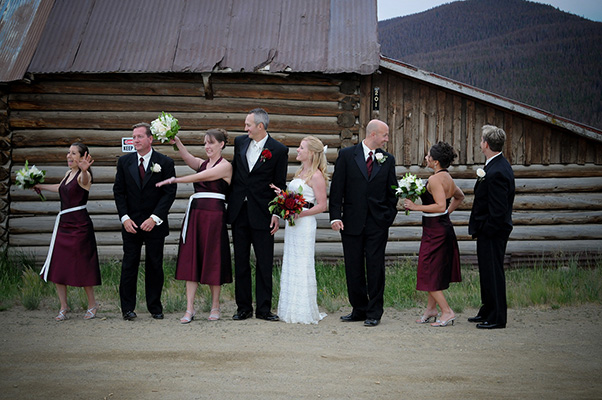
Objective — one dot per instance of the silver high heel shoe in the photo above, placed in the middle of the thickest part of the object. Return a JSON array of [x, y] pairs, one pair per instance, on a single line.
[[440, 323], [426, 319], [185, 319]]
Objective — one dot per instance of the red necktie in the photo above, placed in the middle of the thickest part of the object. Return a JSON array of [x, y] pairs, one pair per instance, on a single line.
[[369, 162], [141, 169]]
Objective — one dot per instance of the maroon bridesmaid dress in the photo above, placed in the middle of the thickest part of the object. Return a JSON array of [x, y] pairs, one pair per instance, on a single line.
[[205, 257], [74, 258], [439, 256]]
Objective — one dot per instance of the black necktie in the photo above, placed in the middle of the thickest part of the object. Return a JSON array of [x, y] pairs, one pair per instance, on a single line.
[[369, 162], [141, 169]]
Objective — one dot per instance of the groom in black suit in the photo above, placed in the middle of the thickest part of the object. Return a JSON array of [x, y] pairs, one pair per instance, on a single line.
[[362, 208], [143, 209], [491, 223], [258, 161]]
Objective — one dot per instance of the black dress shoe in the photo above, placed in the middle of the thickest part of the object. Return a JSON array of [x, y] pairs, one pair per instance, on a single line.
[[129, 315], [371, 322], [488, 325], [242, 315], [351, 318], [158, 316], [268, 317], [478, 318]]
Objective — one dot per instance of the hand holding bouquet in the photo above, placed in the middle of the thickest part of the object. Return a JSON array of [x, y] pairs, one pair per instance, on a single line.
[[410, 187], [165, 128], [28, 177], [287, 204]]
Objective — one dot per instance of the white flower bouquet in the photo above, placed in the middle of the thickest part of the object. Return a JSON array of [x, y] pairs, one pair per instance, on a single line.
[[165, 128], [410, 187], [28, 177]]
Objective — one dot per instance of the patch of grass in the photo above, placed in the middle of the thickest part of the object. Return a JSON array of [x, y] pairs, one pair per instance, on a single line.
[[543, 284]]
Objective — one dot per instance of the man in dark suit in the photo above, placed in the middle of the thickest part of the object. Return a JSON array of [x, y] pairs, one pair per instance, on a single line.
[[362, 208], [491, 223], [143, 209], [258, 161]]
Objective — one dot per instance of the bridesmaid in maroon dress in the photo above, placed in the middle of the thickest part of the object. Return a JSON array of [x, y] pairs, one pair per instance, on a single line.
[[73, 260], [439, 258], [204, 250]]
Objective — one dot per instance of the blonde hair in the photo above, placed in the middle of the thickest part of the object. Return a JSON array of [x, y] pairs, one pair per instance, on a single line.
[[318, 158]]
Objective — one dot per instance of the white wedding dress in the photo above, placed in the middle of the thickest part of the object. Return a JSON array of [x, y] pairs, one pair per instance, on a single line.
[[298, 287]]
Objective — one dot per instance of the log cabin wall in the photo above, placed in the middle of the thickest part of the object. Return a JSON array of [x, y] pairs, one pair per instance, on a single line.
[[5, 164], [53, 111], [559, 174], [558, 205]]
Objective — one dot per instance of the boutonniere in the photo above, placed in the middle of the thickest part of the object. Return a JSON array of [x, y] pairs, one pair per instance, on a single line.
[[481, 174], [380, 158], [265, 155], [155, 168]]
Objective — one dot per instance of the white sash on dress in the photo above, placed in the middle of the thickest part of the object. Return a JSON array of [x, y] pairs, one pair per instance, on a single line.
[[198, 195], [46, 266], [424, 214]]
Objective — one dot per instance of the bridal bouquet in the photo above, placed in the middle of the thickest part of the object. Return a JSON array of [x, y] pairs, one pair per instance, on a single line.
[[287, 204], [165, 128], [410, 187], [27, 177]]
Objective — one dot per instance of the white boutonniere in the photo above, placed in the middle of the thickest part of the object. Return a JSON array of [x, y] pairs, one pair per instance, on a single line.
[[380, 158], [481, 174], [156, 168]]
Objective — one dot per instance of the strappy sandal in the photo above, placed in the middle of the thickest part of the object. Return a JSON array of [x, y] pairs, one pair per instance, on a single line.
[[91, 312], [426, 319], [185, 319], [215, 314], [62, 315]]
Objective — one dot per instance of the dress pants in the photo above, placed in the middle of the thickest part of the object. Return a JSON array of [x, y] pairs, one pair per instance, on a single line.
[[365, 269], [153, 265], [244, 235], [490, 254]]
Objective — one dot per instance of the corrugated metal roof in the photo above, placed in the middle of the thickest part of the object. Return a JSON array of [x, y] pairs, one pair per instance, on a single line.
[[21, 24], [205, 35]]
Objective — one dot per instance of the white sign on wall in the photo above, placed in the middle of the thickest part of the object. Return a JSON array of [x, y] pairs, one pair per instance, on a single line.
[[127, 145]]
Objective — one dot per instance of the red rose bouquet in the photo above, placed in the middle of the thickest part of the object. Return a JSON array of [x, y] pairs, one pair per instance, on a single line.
[[287, 204]]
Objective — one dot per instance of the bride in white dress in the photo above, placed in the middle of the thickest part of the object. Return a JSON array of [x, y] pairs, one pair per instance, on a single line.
[[298, 288]]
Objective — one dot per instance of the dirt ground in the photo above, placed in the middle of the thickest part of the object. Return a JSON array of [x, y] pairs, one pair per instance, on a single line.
[[542, 354]]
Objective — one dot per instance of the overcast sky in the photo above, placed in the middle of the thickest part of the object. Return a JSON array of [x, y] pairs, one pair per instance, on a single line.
[[590, 9]]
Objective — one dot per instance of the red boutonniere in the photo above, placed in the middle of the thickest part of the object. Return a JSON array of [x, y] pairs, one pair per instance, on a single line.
[[265, 155]]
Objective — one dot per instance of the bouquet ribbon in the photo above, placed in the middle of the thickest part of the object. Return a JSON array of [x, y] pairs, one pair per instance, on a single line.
[[46, 266], [199, 195]]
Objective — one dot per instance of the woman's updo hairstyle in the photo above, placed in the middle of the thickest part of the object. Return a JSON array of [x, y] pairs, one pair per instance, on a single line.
[[443, 153]]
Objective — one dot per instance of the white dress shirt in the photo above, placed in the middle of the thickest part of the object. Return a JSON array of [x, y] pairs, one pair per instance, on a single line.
[[254, 151]]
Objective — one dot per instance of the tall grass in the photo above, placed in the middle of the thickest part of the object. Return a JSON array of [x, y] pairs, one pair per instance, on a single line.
[[543, 284]]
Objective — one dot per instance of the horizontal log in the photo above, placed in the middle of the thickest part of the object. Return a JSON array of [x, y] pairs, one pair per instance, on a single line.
[[136, 87], [109, 155], [520, 171], [395, 251], [552, 220], [283, 92], [65, 137], [175, 104], [189, 121]]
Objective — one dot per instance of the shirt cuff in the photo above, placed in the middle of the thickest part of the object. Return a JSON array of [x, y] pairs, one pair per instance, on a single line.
[[125, 218], [335, 220], [157, 220]]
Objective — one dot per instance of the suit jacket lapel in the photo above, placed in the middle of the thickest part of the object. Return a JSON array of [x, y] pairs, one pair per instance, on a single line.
[[243, 153], [268, 145], [133, 168], [148, 173], [359, 159]]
